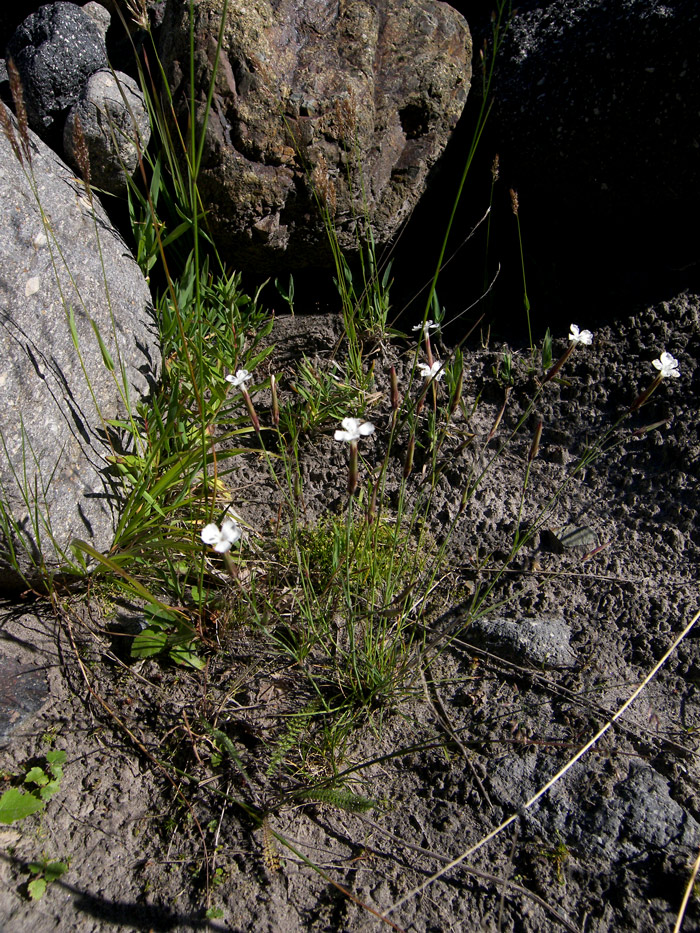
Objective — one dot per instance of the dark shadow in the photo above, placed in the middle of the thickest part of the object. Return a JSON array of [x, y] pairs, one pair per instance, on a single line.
[[125, 914]]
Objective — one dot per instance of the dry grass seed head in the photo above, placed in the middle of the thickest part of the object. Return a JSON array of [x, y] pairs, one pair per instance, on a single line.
[[514, 202], [9, 131], [82, 156], [323, 186], [346, 116], [20, 109]]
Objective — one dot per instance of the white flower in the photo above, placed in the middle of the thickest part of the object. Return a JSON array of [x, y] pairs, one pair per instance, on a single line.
[[667, 365], [222, 540], [435, 371], [426, 328], [580, 336], [239, 380], [353, 430]]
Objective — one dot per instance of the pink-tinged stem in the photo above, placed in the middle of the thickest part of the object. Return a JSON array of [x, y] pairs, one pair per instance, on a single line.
[[553, 370], [428, 350], [644, 397], [394, 389], [408, 462], [535, 442], [352, 474]]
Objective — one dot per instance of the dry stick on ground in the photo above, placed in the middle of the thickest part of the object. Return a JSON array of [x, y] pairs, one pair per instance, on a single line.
[[686, 896], [475, 872], [560, 774]]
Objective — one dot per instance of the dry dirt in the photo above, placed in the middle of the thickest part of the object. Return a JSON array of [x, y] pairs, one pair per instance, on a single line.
[[571, 632]]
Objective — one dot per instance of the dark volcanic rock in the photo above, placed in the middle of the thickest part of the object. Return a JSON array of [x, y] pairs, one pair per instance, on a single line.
[[340, 106], [601, 98], [55, 50], [597, 121]]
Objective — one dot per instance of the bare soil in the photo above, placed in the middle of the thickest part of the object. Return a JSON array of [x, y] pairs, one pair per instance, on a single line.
[[591, 603]]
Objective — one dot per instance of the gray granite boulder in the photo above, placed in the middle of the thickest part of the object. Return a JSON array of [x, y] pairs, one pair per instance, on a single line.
[[55, 51], [343, 106], [61, 257], [112, 116]]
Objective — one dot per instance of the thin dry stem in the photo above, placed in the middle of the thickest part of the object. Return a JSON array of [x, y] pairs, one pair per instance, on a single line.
[[686, 896]]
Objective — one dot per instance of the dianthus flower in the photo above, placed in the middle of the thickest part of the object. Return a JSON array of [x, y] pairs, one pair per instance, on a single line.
[[667, 366], [222, 539], [353, 430]]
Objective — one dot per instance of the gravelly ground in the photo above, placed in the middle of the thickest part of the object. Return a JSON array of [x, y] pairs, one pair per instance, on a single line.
[[610, 847]]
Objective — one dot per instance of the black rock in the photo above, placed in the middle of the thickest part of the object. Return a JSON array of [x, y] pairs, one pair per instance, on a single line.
[[55, 51]]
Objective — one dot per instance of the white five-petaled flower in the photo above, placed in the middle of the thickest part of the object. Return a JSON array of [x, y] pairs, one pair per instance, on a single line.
[[667, 366], [426, 328], [221, 540], [435, 371], [239, 380], [353, 430], [580, 336]]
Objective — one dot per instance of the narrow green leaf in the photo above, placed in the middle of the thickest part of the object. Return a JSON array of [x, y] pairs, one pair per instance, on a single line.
[[106, 356], [73, 328], [137, 587]]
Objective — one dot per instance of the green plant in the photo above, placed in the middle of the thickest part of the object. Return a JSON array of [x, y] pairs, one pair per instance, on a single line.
[[346, 599], [324, 395], [559, 855], [45, 872], [16, 804]]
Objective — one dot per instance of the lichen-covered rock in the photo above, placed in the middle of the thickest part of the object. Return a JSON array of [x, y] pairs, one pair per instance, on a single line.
[[55, 51], [112, 116], [60, 258], [344, 106]]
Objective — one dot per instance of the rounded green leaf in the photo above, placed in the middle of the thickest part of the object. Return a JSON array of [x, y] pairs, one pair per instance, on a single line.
[[14, 805]]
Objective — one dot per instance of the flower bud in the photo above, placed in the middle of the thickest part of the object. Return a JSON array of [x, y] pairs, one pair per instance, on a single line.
[[394, 389], [275, 401], [535, 441]]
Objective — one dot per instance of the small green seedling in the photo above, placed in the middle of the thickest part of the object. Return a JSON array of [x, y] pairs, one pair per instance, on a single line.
[[503, 369], [45, 871], [16, 804], [547, 351]]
